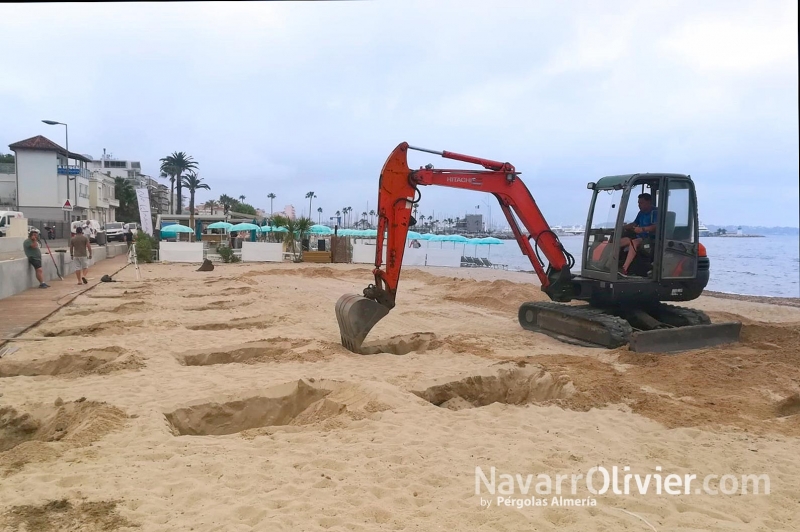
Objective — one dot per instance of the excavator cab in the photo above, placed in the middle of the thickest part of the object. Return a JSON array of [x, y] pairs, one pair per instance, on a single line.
[[669, 264]]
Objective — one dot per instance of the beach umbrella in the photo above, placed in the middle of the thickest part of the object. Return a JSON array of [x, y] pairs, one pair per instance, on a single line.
[[245, 227], [489, 241], [220, 225], [320, 230], [174, 229]]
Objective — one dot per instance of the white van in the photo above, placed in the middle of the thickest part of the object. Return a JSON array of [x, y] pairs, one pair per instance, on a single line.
[[114, 231], [5, 217]]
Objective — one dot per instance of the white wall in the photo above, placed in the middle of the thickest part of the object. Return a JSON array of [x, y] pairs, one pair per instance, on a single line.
[[262, 252], [365, 254], [8, 186], [181, 252], [37, 179]]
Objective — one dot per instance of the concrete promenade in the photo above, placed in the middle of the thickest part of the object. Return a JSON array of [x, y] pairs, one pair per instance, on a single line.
[[17, 275], [28, 308]]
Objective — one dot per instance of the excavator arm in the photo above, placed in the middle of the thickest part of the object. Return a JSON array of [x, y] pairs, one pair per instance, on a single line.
[[399, 192]]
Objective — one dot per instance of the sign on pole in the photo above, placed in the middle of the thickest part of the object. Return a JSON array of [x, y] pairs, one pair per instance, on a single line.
[[144, 210], [67, 206]]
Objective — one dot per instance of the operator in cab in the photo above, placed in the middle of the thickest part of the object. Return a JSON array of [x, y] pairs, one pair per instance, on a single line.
[[644, 226]]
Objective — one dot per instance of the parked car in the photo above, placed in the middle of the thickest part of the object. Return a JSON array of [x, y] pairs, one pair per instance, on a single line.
[[114, 231]]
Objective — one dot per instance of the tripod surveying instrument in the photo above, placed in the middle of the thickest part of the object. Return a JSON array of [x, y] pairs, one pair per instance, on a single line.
[[133, 260]]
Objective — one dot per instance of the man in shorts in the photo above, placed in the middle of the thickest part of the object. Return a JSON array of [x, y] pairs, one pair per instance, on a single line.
[[80, 251], [34, 254]]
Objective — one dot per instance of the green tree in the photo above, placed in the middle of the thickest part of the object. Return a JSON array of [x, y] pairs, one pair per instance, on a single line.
[[296, 230], [193, 184], [271, 197], [128, 209], [6, 158], [175, 165], [319, 210]]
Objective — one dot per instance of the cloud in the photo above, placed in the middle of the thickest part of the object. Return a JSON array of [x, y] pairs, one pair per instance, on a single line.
[[287, 97]]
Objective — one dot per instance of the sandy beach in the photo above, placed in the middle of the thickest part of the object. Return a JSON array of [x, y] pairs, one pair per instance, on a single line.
[[223, 401]]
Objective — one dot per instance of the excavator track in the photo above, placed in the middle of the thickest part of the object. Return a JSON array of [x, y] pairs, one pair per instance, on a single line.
[[676, 328], [575, 324], [680, 316]]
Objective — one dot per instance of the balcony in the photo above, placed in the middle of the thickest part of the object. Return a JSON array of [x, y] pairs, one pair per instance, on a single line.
[[74, 171]]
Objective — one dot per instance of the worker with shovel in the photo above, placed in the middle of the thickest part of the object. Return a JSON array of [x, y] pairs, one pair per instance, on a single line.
[[34, 254]]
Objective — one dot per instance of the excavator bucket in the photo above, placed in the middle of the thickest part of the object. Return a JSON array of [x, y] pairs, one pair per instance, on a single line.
[[357, 315], [684, 338]]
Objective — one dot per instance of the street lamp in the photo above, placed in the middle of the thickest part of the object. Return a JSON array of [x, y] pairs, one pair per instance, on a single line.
[[66, 128]]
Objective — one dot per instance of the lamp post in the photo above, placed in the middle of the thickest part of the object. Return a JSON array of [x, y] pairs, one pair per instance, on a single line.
[[66, 129]]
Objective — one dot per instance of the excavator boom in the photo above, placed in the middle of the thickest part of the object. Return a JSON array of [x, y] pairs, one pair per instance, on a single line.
[[399, 192]]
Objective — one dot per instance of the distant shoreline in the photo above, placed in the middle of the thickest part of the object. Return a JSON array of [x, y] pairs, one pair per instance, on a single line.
[[770, 300]]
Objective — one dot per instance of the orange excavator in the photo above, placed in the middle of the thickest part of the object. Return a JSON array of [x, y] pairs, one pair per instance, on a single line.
[[623, 306]]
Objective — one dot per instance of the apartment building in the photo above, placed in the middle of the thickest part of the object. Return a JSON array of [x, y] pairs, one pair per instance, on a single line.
[[132, 171]]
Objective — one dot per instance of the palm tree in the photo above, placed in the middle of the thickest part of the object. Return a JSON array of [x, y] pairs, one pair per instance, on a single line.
[[319, 210], [371, 217], [175, 165], [242, 198], [310, 196], [271, 197], [300, 226], [193, 184], [167, 172]]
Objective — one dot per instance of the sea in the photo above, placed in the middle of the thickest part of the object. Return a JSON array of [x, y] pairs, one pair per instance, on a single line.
[[754, 266]]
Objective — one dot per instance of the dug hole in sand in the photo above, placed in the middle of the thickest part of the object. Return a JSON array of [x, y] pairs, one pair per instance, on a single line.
[[223, 400]]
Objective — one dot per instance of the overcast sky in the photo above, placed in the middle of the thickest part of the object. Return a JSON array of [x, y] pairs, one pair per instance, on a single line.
[[289, 97]]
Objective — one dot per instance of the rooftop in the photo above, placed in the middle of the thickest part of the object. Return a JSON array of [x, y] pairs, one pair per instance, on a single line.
[[44, 144]]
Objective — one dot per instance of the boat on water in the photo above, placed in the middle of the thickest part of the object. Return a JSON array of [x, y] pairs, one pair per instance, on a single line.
[[704, 231]]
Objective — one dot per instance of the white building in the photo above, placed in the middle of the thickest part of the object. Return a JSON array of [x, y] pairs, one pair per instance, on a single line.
[[102, 198], [132, 171], [8, 187], [46, 176]]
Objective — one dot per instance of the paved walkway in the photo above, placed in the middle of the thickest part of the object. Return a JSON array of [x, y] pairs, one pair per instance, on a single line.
[[21, 312]]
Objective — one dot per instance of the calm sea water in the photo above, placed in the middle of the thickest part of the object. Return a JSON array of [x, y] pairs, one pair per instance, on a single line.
[[766, 266]]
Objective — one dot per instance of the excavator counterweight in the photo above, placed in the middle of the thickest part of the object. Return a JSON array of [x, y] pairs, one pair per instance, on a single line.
[[623, 308]]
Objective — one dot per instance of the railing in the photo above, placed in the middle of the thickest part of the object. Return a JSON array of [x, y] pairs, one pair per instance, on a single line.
[[74, 171]]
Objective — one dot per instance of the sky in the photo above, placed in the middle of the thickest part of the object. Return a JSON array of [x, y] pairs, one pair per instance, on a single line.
[[291, 97]]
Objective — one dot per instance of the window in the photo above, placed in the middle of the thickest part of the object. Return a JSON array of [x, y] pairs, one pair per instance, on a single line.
[[598, 251], [116, 164], [680, 255], [137, 165]]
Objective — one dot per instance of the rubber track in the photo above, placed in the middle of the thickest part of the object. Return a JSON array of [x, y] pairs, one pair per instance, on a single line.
[[618, 328], [692, 316]]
